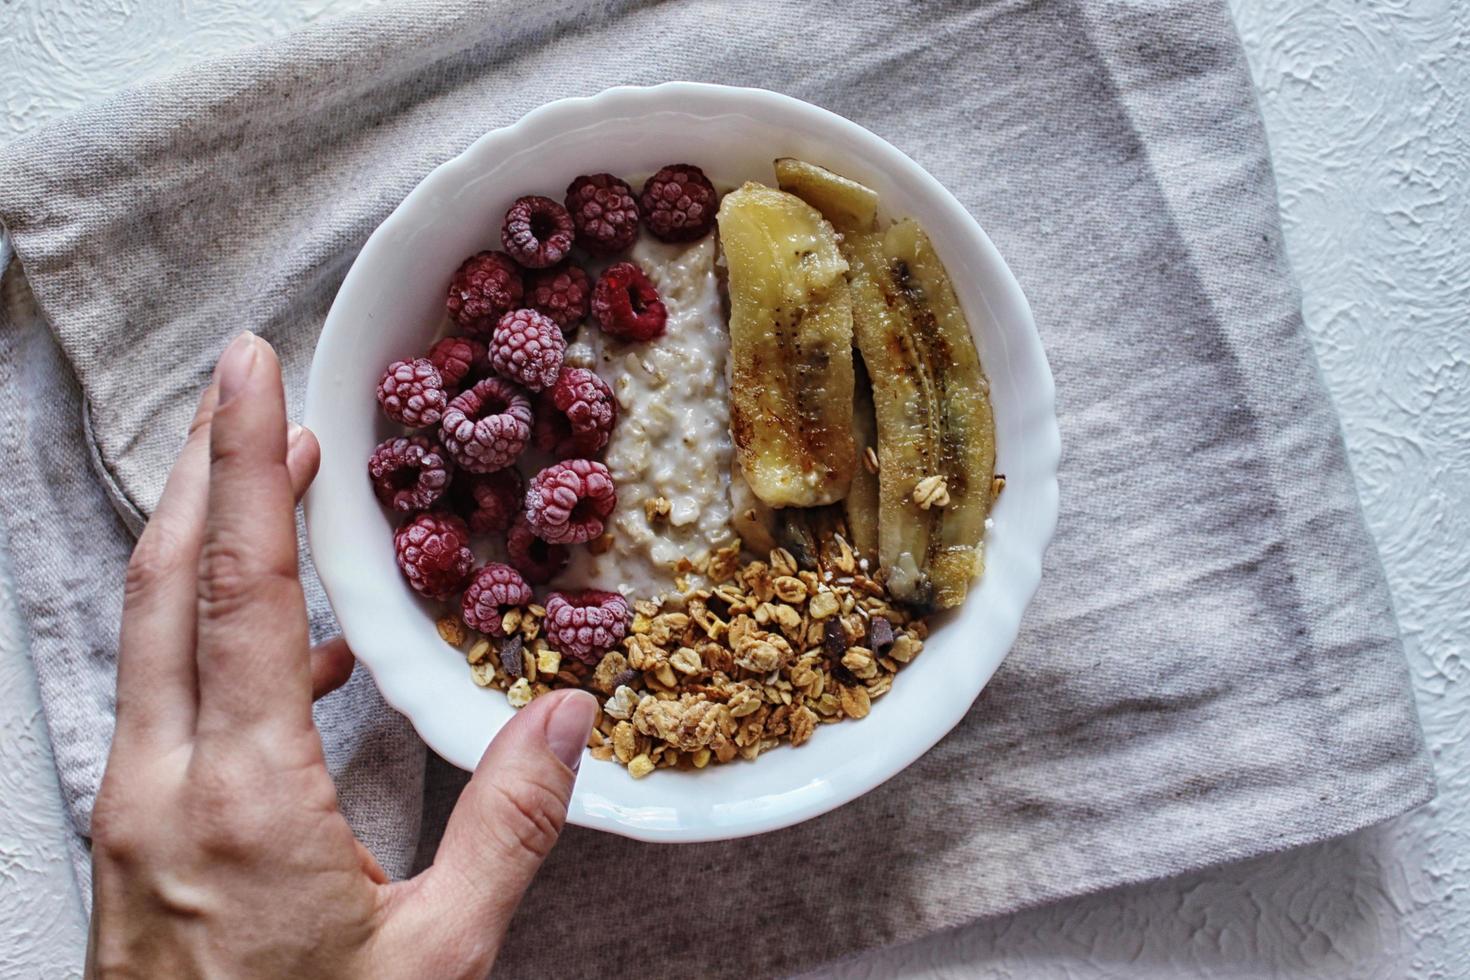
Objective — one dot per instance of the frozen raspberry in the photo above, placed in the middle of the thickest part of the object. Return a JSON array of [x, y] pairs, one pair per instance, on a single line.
[[626, 305], [604, 213], [490, 501], [568, 503], [575, 416], [537, 232], [486, 426], [528, 347], [409, 473], [433, 551], [495, 590], [412, 392], [483, 289], [538, 561], [458, 358], [563, 293], [586, 624], [679, 203]]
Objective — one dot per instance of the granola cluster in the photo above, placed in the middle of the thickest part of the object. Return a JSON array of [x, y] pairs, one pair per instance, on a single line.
[[741, 658]]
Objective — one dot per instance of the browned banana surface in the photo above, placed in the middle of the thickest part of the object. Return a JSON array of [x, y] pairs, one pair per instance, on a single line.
[[935, 432], [790, 348], [936, 439]]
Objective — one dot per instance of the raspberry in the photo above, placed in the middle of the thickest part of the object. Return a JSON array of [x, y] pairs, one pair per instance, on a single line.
[[538, 561], [490, 501], [586, 624], [528, 347], [483, 289], [626, 305], [562, 293], [409, 473], [567, 503], [486, 426], [495, 590], [575, 416], [679, 203], [457, 358], [604, 213], [537, 232], [433, 551], [412, 392]]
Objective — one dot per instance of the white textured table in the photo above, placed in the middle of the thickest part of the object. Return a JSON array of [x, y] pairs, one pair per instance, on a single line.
[[1368, 112]]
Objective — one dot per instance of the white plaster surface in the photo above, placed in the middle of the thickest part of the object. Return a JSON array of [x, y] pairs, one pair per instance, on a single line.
[[1367, 106]]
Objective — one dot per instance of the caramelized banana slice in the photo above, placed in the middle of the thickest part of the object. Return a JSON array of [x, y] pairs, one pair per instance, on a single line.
[[790, 348], [936, 436], [847, 204], [935, 432]]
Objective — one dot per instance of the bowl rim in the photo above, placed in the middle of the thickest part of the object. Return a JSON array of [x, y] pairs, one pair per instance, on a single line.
[[1043, 436]]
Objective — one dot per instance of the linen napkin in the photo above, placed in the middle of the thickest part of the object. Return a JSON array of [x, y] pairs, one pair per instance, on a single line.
[[1211, 669]]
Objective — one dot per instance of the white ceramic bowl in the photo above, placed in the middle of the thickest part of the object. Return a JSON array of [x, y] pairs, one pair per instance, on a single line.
[[390, 305]]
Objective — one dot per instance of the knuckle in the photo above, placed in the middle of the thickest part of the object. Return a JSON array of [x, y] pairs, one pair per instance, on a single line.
[[203, 416], [529, 818], [223, 820], [114, 834], [155, 558], [231, 579]]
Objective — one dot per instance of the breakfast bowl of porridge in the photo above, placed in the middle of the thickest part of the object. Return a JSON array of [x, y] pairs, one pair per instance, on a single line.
[[706, 401]]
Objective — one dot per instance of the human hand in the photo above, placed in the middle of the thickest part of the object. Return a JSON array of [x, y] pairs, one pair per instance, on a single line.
[[218, 848]]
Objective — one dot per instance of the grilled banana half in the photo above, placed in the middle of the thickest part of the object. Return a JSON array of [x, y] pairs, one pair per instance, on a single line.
[[936, 434], [846, 203], [790, 348]]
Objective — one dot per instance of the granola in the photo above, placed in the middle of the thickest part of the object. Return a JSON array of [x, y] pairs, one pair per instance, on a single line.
[[756, 654]]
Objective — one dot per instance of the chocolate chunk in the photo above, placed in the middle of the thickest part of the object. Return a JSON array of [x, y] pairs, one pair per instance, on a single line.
[[626, 677], [880, 635], [834, 640], [511, 658], [843, 675]]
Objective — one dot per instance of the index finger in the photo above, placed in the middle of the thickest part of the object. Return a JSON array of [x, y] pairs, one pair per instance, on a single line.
[[156, 689], [253, 639]]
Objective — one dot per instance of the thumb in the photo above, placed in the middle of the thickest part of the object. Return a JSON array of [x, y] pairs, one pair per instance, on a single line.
[[502, 828]]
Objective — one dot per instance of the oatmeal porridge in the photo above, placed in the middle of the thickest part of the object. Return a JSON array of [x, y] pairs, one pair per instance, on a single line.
[[670, 453]]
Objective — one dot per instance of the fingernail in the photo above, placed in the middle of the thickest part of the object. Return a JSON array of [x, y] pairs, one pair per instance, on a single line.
[[569, 725], [235, 365], [293, 435]]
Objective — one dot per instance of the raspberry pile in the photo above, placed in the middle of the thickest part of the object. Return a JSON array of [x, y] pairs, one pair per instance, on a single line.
[[575, 417], [433, 550], [679, 203], [490, 502], [412, 393], [409, 473], [485, 288], [586, 624], [495, 590], [626, 305], [563, 293], [603, 212], [486, 427], [528, 347], [458, 359], [480, 397], [539, 561], [568, 503], [537, 232]]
